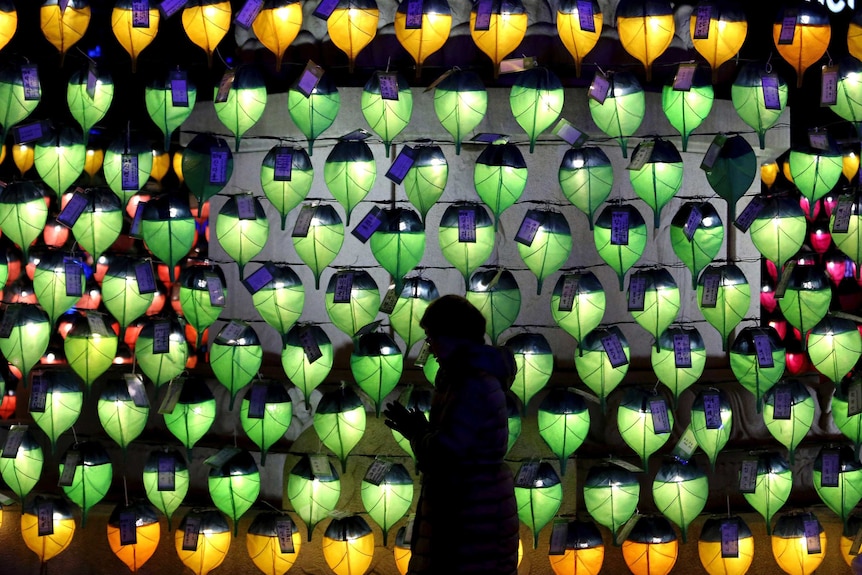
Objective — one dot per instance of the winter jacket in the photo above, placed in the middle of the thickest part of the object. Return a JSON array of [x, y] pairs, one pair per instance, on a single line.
[[466, 520]]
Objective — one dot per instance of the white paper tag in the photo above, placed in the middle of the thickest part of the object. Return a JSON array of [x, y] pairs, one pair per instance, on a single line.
[[224, 86], [709, 294], [569, 133], [729, 539], [387, 306], [512, 65], [129, 177], [223, 456], [713, 152], [45, 518], [684, 77], [303, 221], [782, 403], [712, 410], [686, 446], [854, 398], [749, 214], [70, 465], [423, 356], [641, 156], [38, 392], [569, 291], [828, 85], [96, 322], [135, 387], [320, 466], [215, 289], [167, 473], [660, 417], [245, 208], [637, 293], [175, 387], [284, 532], [695, 217], [614, 349], [30, 82], [830, 466], [218, 166], [161, 337], [343, 287], [682, 350], [232, 331], [619, 228], [818, 139], [310, 346], [530, 226], [748, 476], [812, 536], [191, 533], [843, 212], [377, 472]]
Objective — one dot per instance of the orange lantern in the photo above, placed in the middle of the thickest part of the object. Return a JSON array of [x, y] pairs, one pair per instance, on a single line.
[[646, 29], [64, 23], [801, 34], [497, 27], [422, 27], [206, 22], [135, 27], [277, 25], [718, 30]]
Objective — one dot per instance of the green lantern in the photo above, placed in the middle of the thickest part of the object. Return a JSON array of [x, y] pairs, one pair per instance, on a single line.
[[22, 469], [495, 294], [733, 171], [687, 109], [265, 415], [23, 213], [28, 336], [578, 303], [168, 229], [90, 347], [621, 112], [680, 491], [399, 243], [564, 423], [202, 295], [349, 172], [413, 300], [312, 496], [815, 172], [586, 177], [161, 349], [611, 495], [235, 356], [723, 296], [194, 413], [466, 236], [207, 166], [166, 480], [352, 300], [534, 360], [536, 100], [58, 282], [539, 495], [500, 177], [620, 236], [849, 242], [126, 288], [387, 499], [772, 485], [17, 103], [711, 422], [286, 175], [127, 166], [603, 360], [834, 346], [637, 419], [55, 402], [430, 369], [313, 113], [426, 179], [807, 298], [678, 358], [59, 157], [788, 412], [123, 417], [339, 421], [757, 360], [242, 229], [696, 236], [306, 357], [387, 108], [661, 300], [837, 479], [92, 476], [279, 300], [848, 101], [659, 179], [243, 104], [849, 424], [749, 93], [170, 100], [89, 94], [100, 222], [319, 245], [376, 363], [234, 486], [460, 102], [544, 243]]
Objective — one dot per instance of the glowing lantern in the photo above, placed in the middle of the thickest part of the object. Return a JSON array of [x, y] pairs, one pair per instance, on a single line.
[[399, 243], [193, 414], [420, 400], [848, 101], [92, 477], [768, 173], [203, 294], [207, 165], [314, 113], [536, 100], [747, 93], [349, 172], [500, 177], [18, 104], [387, 109], [265, 415], [168, 229], [59, 157], [244, 104], [424, 29], [660, 177], [584, 550], [620, 237], [123, 417], [126, 292], [376, 364], [273, 542], [495, 294], [242, 229], [161, 165], [579, 32], [286, 175], [718, 30], [849, 424], [725, 546], [23, 155], [236, 356], [202, 540], [206, 22], [603, 360], [127, 166], [637, 419], [306, 357], [733, 171], [135, 26], [539, 497], [772, 487], [544, 243], [161, 350], [166, 480], [100, 223], [64, 23], [466, 236], [678, 371], [611, 495], [732, 297], [426, 179], [234, 485], [280, 300], [412, 302], [8, 22], [578, 303], [801, 35], [90, 348], [798, 543], [564, 423], [58, 282], [661, 300], [757, 360], [348, 545], [498, 28], [133, 533], [680, 491], [646, 29], [815, 172], [837, 479], [586, 177], [696, 236], [460, 102], [534, 360], [651, 547], [834, 346], [687, 109], [93, 163], [357, 301], [388, 498], [277, 25], [807, 298], [322, 241], [28, 337], [55, 403], [52, 539], [22, 469], [352, 26], [339, 422], [170, 101], [89, 105], [788, 412], [849, 242], [711, 422], [312, 496]]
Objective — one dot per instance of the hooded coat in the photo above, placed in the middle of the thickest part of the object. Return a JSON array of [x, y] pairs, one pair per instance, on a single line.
[[467, 517]]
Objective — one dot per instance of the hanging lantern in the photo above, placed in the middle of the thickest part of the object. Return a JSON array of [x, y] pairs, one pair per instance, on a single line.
[[385, 107], [277, 25], [21, 469], [55, 402], [168, 229], [312, 496], [768, 173], [314, 113], [460, 102], [127, 288], [348, 545], [100, 222], [696, 236], [90, 347], [757, 359], [203, 294], [564, 423], [234, 486], [193, 414], [646, 29], [265, 415], [8, 22], [798, 542], [732, 297], [58, 282], [206, 22], [807, 298], [586, 177], [725, 546], [622, 111], [413, 300], [660, 177], [603, 360], [123, 417], [339, 422], [59, 157], [849, 242], [772, 487], [466, 236], [235, 356], [661, 300], [286, 175], [584, 550], [92, 477], [849, 424], [759, 97], [426, 179], [135, 26], [243, 104], [399, 243], [718, 30], [50, 540], [161, 349], [536, 100], [349, 172], [18, 100], [322, 241], [801, 35], [494, 292], [788, 412], [500, 177], [423, 29], [498, 28], [170, 101], [28, 336], [387, 497], [273, 542], [352, 26], [640, 422], [687, 109], [242, 229], [128, 163], [133, 533], [207, 165], [680, 491], [678, 359], [834, 346], [87, 104], [733, 171], [166, 480], [651, 547], [544, 243], [578, 303], [711, 422], [815, 172], [306, 357], [202, 540], [539, 495], [579, 25], [352, 300], [280, 300], [848, 100], [534, 361], [837, 479], [64, 23], [620, 237], [611, 495], [376, 364]]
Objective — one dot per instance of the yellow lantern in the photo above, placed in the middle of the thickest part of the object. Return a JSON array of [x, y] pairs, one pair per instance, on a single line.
[[202, 540], [718, 30], [177, 164], [798, 543], [854, 35], [8, 22], [161, 165], [273, 542], [24, 156], [2, 152], [497, 27], [422, 27], [133, 533], [646, 29], [277, 25], [47, 541], [206, 22], [352, 26], [63, 27], [801, 34], [850, 165], [135, 28], [579, 32], [651, 547], [768, 173], [348, 545], [93, 160]]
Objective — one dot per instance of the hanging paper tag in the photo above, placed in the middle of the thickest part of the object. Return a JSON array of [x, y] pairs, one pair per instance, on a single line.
[[686, 446], [626, 529], [179, 89], [818, 139], [225, 85], [255, 282], [413, 20], [245, 208], [74, 277], [10, 318], [28, 132], [782, 402], [614, 349], [682, 350], [812, 536], [712, 154], [96, 322], [569, 291], [247, 14], [402, 164], [320, 466], [829, 468], [284, 532], [529, 228], [763, 350], [92, 80], [527, 474], [310, 346], [343, 287], [387, 306], [570, 134], [257, 401], [303, 221], [748, 476], [854, 398], [175, 387], [215, 289], [641, 156], [729, 539], [692, 223], [231, 332], [70, 465], [191, 533], [367, 328], [559, 537], [224, 455], [140, 14], [13, 441], [161, 337], [218, 165], [467, 225], [684, 77], [781, 288], [128, 532], [368, 225], [490, 138], [483, 15], [388, 86], [45, 518], [620, 228], [312, 74], [516, 65], [625, 465], [145, 277], [660, 418], [600, 88], [130, 172], [828, 85], [586, 19], [703, 14], [769, 85], [749, 214], [377, 472], [135, 228], [283, 168], [73, 210], [788, 28], [171, 7], [712, 410], [38, 392], [135, 386], [325, 9], [423, 356], [637, 292], [843, 211], [30, 82]]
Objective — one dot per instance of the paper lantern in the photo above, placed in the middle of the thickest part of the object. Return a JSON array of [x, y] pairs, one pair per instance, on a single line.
[[772, 487], [680, 491], [388, 498], [807, 298], [611, 495], [494, 292], [718, 30], [58, 282], [64, 23], [357, 301], [815, 172], [387, 109], [757, 360], [166, 480], [133, 533], [206, 22], [798, 543], [168, 229], [22, 154], [466, 235], [376, 364], [837, 479], [498, 28], [202, 540], [536, 100], [801, 36], [500, 177], [312, 496], [23, 213], [678, 358], [850, 425], [286, 175], [636, 421], [578, 303], [534, 360], [128, 163], [90, 348], [59, 158], [584, 550], [603, 360], [207, 165], [834, 346], [314, 113], [661, 300], [22, 468], [660, 177], [687, 109], [126, 295], [348, 545], [193, 414], [100, 222], [586, 177], [539, 497], [349, 172], [352, 26], [426, 179], [620, 237], [87, 104], [544, 243], [646, 29], [234, 486], [339, 422], [161, 350], [280, 300], [243, 105], [323, 240], [235, 356], [135, 27], [47, 545], [696, 247], [8, 22], [242, 229], [203, 294], [122, 416], [306, 357], [733, 171], [711, 422], [265, 415], [273, 542], [170, 100], [399, 243], [651, 547], [92, 476], [28, 337], [422, 30], [849, 242], [579, 31], [56, 401], [848, 101], [564, 423], [460, 102], [725, 546], [277, 25], [17, 104], [747, 95], [732, 297], [795, 407], [768, 173], [413, 300]]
